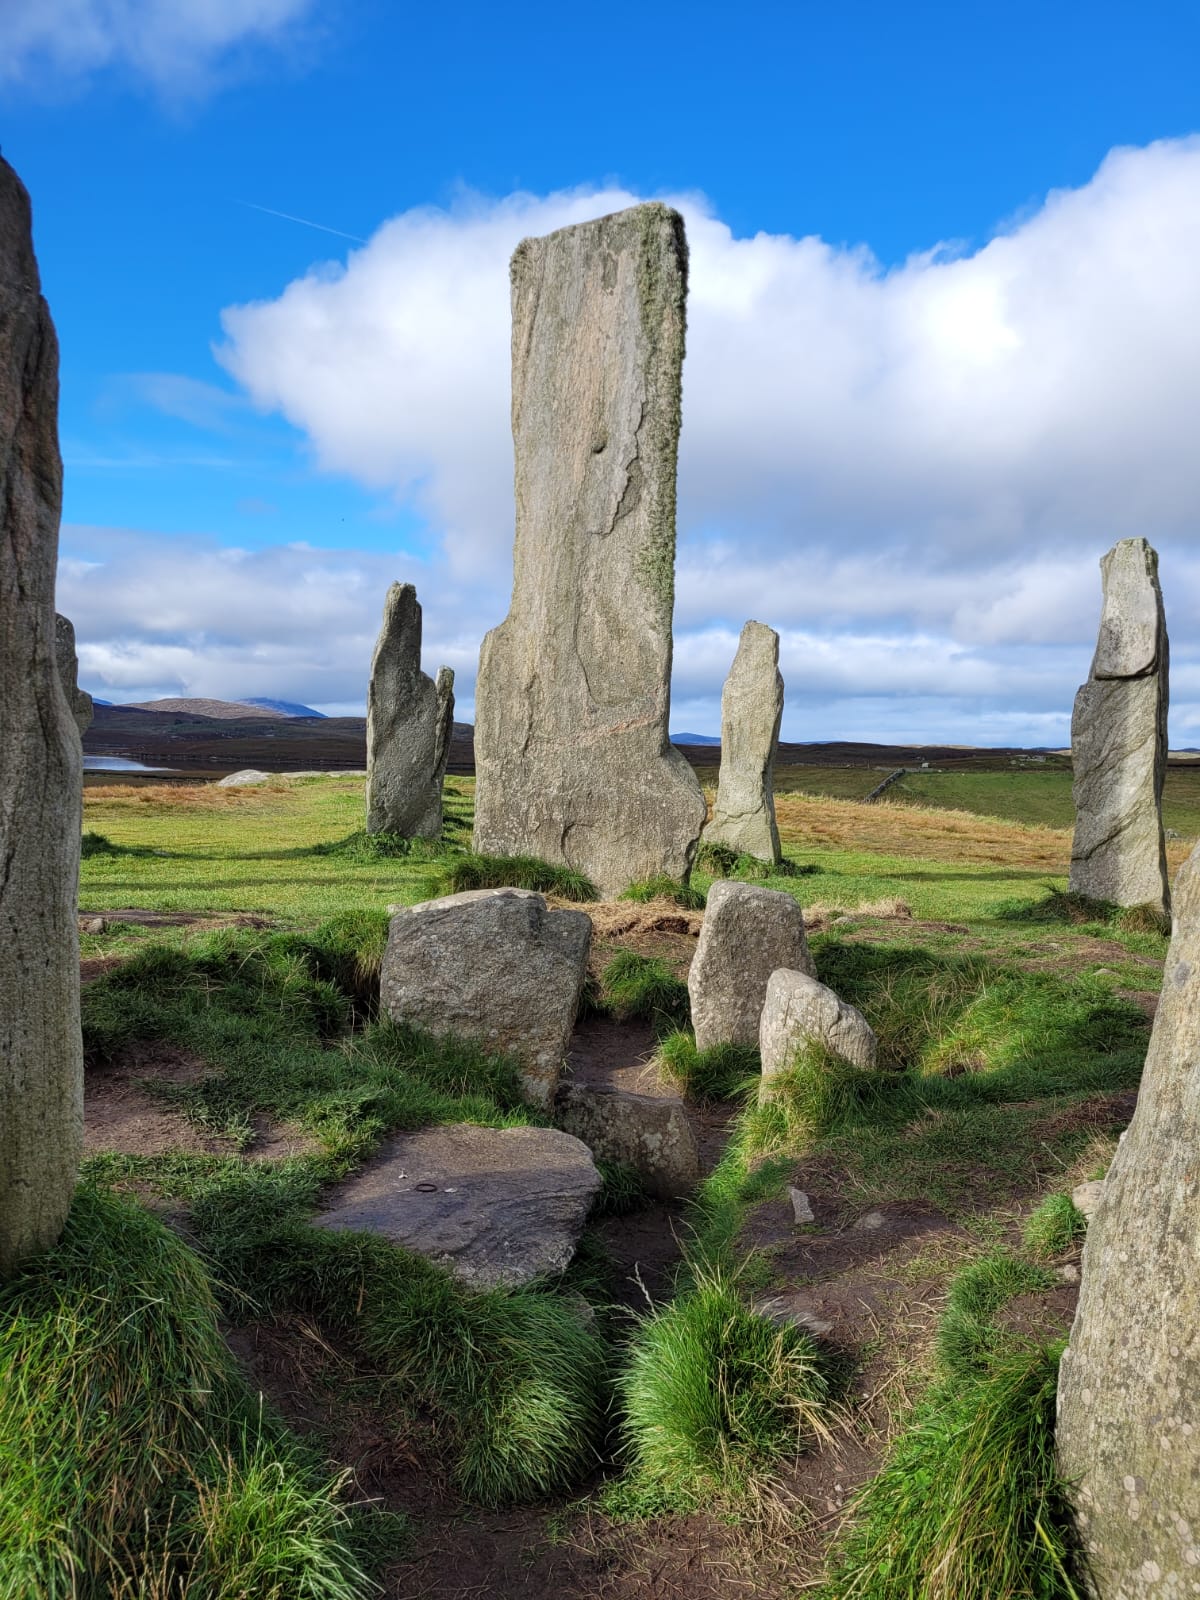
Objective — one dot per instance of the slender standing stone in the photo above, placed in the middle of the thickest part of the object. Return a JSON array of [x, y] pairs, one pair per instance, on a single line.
[[78, 699], [751, 711], [409, 722], [573, 759], [41, 786], [1129, 1385], [1119, 741]]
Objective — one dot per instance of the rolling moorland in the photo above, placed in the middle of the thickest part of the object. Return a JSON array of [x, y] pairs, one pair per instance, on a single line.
[[637, 1427]]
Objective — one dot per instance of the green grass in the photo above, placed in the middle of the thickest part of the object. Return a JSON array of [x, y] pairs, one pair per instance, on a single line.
[[1054, 1227], [712, 1396], [471, 871], [644, 986], [722, 1072], [664, 887], [968, 1505], [131, 1445], [968, 1337], [723, 861]]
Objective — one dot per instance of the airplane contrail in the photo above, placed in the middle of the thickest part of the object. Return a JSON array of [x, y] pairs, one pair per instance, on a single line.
[[287, 217]]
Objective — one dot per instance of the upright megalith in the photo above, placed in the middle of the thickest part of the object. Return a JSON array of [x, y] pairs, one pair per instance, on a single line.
[[41, 1054], [748, 933], [572, 755], [1119, 740], [78, 699], [751, 711], [1129, 1385], [409, 722]]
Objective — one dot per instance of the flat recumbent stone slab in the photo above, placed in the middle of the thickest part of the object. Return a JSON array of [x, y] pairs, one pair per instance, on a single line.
[[497, 1207]]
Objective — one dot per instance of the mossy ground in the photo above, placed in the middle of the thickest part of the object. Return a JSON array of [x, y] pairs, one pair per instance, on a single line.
[[544, 1443]]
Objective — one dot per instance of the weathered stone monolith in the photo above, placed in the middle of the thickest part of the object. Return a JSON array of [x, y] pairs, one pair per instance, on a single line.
[[409, 722], [1119, 741], [1129, 1385], [493, 965], [41, 1055], [799, 1011], [748, 933], [751, 711], [78, 699], [572, 755]]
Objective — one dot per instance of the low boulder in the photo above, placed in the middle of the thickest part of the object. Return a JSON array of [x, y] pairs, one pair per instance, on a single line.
[[748, 933], [496, 966], [247, 778], [799, 1011], [650, 1133], [497, 1207]]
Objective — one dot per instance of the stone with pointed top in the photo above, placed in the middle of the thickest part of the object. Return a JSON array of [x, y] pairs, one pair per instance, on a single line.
[[751, 710], [41, 783], [1119, 741], [573, 759], [409, 722], [78, 699]]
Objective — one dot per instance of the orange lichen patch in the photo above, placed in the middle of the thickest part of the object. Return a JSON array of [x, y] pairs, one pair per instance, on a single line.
[[904, 830]]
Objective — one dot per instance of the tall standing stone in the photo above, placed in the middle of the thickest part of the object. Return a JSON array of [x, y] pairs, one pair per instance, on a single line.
[[41, 1053], [1119, 741], [573, 759], [751, 711], [78, 699], [1129, 1385], [409, 722]]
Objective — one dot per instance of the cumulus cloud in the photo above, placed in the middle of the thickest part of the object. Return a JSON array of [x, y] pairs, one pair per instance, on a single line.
[[1036, 393], [910, 471], [175, 44]]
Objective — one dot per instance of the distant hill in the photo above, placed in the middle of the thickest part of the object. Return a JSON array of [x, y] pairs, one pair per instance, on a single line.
[[200, 708], [693, 738], [284, 708]]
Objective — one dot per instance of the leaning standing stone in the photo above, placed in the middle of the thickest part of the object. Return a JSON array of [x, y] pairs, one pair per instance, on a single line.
[[1119, 741], [1129, 1384], [799, 1011], [78, 699], [409, 722], [495, 966], [748, 933], [41, 785], [572, 754], [751, 711]]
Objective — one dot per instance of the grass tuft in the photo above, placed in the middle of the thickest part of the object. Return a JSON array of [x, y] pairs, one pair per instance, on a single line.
[[663, 887], [621, 1190], [1054, 1227], [723, 861], [122, 1417], [472, 871], [968, 1338], [713, 1395], [722, 1072], [644, 986], [969, 1505]]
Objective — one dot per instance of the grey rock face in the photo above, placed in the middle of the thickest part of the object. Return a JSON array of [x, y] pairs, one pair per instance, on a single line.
[[1129, 1385], [1119, 741], [41, 784], [748, 933], [78, 699], [650, 1133], [247, 778], [409, 720], [493, 965], [798, 1011], [573, 759], [751, 710], [497, 1207]]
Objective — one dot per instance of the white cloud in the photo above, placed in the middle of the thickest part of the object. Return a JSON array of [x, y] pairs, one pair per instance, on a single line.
[[176, 44], [912, 473]]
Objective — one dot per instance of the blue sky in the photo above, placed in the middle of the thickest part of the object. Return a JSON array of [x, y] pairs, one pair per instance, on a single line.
[[943, 344]]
